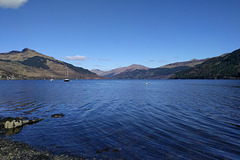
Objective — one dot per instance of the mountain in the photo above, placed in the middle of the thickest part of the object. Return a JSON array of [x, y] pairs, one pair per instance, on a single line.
[[226, 66], [98, 71], [113, 73], [190, 63], [29, 64], [141, 72], [152, 73]]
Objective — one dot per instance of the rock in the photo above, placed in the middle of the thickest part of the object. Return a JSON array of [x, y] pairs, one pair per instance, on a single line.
[[99, 151], [106, 150], [28, 122], [11, 126], [57, 115], [115, 150], [9, 123]]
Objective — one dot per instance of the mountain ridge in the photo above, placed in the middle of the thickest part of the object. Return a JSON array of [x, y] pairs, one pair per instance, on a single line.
[[189, 63], [117, 71], [30, 64], [225, 66], [135, 71]]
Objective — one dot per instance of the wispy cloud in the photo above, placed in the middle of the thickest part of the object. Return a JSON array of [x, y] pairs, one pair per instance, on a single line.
[[76, 58], [12, 3], [104, 59]]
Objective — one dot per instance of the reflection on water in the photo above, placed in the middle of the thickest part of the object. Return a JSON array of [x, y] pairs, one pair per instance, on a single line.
[[127, 119], [11, 131], [11, 126]]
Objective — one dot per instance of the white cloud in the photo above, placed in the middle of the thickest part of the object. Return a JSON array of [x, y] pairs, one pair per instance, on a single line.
[[12, 3], [76, 58]]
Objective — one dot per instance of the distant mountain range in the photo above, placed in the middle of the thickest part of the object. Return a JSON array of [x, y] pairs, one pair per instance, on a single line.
[[190, 63], [141, 72], [29, 64], [115, 72], [226, 66]]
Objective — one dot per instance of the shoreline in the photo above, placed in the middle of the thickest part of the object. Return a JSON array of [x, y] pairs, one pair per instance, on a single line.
[[14, 150]]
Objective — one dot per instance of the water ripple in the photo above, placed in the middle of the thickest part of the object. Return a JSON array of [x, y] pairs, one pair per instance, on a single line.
[[125, 119]]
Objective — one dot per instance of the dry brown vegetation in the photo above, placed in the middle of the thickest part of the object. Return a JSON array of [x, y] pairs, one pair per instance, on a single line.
[[29, 64]]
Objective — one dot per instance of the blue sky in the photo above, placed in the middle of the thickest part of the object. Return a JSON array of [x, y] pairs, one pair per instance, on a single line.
[[107, 34]]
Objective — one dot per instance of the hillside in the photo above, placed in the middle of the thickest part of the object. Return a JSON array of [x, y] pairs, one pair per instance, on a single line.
[[142, 72], [98, 71], [29, 64], [153, 73], [190, 63], [226, 66], [117, 71]]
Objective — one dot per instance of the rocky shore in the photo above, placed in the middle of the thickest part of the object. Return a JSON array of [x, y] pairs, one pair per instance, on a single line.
[[13, 150], [10, 150]]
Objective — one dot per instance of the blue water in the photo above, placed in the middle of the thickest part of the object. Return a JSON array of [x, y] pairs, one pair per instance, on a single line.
[[127, 119]]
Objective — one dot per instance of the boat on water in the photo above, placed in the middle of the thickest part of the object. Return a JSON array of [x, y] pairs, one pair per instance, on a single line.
[[66, 79]]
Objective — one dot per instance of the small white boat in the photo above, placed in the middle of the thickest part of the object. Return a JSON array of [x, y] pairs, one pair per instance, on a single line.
[[66, 79]]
